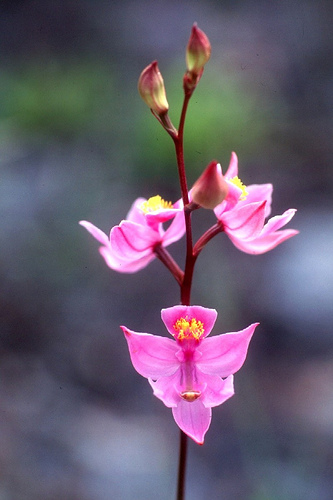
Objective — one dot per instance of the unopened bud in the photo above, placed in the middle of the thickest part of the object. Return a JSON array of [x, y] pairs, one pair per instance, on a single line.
[[198, 51], [211, 188], [152, 90]]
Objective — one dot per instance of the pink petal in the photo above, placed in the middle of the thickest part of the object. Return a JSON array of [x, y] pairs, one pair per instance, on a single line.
[[258, 193], [135, 214], [230, 202], [162, 215], [217, 390], [152, 356], [245, 222], [165, 389], [278, 221], [97, 233], [233, 167], [224, 354], [122, 265], [131, 241], [193, 419], [175, 231], [111, 261], [264, 243], [171, 314], [269, 237]]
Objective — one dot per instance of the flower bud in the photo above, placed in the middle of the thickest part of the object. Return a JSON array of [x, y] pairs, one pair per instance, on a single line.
[[198, 51], [151, 89], [211, 188]]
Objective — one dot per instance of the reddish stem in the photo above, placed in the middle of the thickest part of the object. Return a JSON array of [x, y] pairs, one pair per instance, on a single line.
[[185, 286], [185, 289], [184, 279], [206, 237], [182, 466], [170, 263]]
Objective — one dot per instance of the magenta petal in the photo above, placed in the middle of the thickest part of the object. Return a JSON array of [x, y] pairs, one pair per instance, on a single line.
[[278, 221], [245, 222], [264, 243], [165, 389], [176, 230], [171, 314], [161, 215], [122, 265], [233, 167], [111, 261], [269, 237], [230, 202], [97, 233], [193, 419], [259, 193], [135, 213], [224, 354], [132, 241], [123, 262], [217, 390], [152, 356]]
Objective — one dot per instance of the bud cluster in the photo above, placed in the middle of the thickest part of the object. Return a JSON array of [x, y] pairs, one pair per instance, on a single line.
[[151, 84], [190, 373]]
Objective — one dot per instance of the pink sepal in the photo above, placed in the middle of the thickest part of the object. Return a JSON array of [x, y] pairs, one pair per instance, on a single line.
[[95, 232], [152, 356], [244, 222], [225, 354]]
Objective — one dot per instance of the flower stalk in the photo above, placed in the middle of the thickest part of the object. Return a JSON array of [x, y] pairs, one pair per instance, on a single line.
[[189, 373], [185, 291], [170, 263], [182, 465]]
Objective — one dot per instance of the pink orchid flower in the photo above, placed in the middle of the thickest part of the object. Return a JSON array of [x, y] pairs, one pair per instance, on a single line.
[[192, 373], [131, 245], [242, 215]]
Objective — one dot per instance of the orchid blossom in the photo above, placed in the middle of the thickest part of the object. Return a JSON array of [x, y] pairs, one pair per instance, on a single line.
[[192, 373], [243, 212], [134, 242]]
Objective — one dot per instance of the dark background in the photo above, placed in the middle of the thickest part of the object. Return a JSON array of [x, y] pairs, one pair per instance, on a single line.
[[76, 421]]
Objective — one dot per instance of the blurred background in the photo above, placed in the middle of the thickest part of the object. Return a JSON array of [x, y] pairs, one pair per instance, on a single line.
[[76, 421]]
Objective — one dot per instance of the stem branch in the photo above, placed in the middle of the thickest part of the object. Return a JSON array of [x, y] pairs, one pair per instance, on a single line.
[[170, 263], [206, 237]]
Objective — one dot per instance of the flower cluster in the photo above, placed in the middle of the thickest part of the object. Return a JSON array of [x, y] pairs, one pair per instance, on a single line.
[[190, 373], [133, 243]]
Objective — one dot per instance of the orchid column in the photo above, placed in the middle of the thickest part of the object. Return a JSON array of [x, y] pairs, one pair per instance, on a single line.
[[190, 373]]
